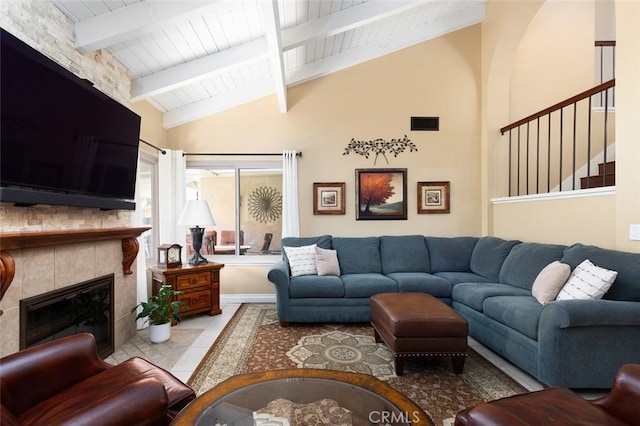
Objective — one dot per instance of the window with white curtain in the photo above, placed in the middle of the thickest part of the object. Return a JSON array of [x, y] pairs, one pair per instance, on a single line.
[[147, 204], [246, 203]]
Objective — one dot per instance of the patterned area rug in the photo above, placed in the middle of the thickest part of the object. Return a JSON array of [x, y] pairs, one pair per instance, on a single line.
[[253, 341]]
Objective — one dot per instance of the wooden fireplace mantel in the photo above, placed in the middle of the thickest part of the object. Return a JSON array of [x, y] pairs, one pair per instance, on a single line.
[[26, 240]]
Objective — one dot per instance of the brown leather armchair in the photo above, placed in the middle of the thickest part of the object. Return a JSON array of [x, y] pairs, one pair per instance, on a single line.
[[561, 406], [65, 382]]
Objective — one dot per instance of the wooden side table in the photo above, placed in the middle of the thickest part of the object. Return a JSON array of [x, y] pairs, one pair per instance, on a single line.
[[200, 284]]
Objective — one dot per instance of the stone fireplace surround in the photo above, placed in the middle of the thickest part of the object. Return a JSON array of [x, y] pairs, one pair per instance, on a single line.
[[33, 263]]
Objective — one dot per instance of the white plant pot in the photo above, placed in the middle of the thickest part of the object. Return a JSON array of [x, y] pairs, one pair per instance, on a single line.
[[160, 333]]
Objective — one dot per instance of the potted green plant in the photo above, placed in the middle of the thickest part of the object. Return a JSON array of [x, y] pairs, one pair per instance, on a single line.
[[160, 311]]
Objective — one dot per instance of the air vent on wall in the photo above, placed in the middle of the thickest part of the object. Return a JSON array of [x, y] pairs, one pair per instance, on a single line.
[[425, 123]]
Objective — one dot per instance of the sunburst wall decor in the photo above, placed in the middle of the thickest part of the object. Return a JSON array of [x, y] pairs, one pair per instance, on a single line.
[[265, 204]]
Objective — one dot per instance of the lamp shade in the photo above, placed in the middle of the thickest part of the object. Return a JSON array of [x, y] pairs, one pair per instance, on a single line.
[[196, 213]]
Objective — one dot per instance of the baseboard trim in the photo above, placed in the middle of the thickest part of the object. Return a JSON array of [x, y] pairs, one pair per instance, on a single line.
[[247, 298]]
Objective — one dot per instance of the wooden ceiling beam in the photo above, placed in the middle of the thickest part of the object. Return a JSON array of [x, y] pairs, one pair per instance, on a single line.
[[195, 70], [273, 35], [131, 21]]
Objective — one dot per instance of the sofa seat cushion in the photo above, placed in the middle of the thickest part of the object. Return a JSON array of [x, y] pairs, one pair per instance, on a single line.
[[366, 285], [117, 399], [521, 313], [316, 286], [526, 260], [474, 294], [419, 282], [358, 255], [452, 254], [461, 277], [405, 253]]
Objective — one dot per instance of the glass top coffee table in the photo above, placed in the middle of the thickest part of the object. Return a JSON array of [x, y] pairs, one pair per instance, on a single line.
[[302, 397]]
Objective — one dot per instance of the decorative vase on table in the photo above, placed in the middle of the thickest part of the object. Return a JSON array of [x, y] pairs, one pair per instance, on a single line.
[[161, 310]]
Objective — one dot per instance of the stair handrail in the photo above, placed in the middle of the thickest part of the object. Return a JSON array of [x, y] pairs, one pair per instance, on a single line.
[[569, 101]]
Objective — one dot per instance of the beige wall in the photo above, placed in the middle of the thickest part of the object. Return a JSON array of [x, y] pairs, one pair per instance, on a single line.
[[372, 100], [245, 280], [555, 221], [627, 122], [554, 59], [508, 34], [151, 129]]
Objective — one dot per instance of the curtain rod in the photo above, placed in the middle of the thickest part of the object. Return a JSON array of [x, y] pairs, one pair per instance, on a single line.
[[231, 154], [153, 146]]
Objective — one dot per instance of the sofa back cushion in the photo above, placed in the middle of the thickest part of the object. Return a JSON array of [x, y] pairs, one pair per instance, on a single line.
[[450, 254], [358, 255], [627, 283], [526, 260], [488, 256], [322, 241], [406, 253]]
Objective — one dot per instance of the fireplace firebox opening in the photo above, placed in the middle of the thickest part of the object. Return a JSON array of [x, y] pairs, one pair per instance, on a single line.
[[83, 307]]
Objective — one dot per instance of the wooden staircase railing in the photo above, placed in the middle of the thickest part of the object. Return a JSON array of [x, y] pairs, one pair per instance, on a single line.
[[545, 154]]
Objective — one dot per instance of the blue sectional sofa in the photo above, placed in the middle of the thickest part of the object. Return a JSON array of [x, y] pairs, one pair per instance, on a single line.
[[488, 280]]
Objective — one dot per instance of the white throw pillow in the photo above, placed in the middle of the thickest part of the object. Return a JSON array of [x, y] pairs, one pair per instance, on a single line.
[[327, 262], [302, 260], [587, 281], [549, 281]]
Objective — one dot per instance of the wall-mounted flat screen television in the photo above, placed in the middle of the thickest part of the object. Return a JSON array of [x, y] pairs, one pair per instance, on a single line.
[[63, 142]]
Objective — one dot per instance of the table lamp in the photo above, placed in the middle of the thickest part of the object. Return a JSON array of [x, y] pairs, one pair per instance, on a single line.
[[196, 215]]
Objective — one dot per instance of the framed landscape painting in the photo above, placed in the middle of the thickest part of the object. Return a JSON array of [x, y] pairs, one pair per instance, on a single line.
[[381, 194], [328, 198], [433, 197]]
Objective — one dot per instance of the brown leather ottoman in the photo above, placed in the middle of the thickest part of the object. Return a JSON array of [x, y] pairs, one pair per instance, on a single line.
[[419, 325]]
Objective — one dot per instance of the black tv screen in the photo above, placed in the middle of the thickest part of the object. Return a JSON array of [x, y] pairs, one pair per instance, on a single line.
[[63, 141]]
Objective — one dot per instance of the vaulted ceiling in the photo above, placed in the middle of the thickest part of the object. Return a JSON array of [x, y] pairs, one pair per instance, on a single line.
[[195, 58]]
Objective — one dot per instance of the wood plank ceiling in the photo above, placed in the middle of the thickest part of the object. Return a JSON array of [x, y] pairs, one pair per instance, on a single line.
[[195, 58]]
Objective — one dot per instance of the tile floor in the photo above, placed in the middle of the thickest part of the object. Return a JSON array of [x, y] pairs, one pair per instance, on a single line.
[[180, 358], [182, 354]]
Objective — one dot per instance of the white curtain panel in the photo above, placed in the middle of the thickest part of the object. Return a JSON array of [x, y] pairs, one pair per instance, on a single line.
[[290, 216], [171, 196], [141, 267]]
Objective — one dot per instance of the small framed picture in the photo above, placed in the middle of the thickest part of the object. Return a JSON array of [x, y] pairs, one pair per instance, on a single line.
[[328, 198], [433, 197]]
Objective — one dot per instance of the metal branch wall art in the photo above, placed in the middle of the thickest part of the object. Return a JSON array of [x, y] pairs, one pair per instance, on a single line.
[[380, 147], [265, 204]]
